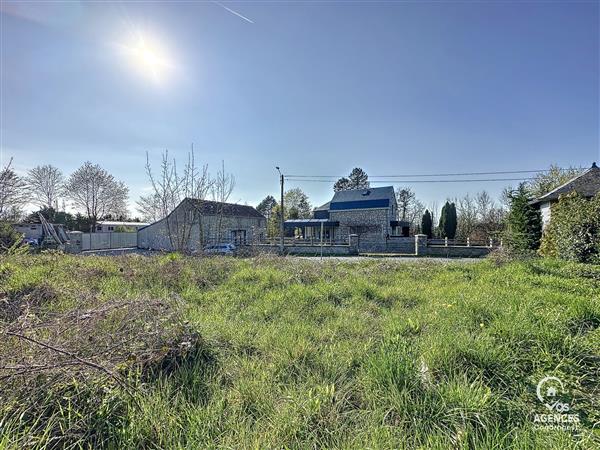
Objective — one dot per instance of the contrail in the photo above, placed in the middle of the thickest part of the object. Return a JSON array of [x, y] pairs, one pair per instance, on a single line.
[[233, 12]]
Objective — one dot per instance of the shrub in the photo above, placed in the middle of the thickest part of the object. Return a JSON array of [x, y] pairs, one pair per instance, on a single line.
[[574, 230], [9, 237]]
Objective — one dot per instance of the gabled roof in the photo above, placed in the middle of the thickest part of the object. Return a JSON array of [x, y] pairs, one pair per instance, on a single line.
[[324, 207], [125, 224], [207, 207], [353, 195], [587, 185]]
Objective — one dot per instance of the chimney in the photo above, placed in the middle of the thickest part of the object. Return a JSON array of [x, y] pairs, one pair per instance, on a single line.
[[594, 166]]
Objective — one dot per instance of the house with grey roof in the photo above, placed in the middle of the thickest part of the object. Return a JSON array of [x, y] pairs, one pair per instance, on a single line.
[[371, 214], [195, 223], [587, 184]]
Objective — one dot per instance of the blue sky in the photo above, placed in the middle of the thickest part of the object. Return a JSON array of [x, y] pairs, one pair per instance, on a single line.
[[314, 87]]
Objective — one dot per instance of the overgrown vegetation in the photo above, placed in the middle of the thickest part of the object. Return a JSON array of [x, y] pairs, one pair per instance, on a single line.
[[284, 353], [9, 237], [574, 229]]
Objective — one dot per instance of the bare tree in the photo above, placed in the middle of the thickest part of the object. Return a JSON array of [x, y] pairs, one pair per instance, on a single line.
[[45, 183], [96, 193], [466, 209], [149, 207], [414, 214], [170, 188], [13, 192], [479, 217], [222, 187]]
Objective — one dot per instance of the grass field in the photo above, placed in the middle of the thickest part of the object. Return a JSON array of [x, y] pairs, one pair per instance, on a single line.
[[283, 353]]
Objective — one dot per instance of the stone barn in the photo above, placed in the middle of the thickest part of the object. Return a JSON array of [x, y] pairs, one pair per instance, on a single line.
[[194, 223]]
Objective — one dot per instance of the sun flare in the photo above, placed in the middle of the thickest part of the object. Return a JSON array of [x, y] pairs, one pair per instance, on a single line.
[[148, 58]]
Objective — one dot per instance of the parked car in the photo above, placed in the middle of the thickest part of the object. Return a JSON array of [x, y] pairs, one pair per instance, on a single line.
[[220, 249]]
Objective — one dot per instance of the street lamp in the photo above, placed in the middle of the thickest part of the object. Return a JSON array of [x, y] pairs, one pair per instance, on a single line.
[[281, 179]]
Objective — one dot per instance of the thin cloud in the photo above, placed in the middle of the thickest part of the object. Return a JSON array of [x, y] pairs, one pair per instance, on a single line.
[[233, 12]]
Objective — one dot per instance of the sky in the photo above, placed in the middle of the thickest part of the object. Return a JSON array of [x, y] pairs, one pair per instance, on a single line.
[[316, 88]]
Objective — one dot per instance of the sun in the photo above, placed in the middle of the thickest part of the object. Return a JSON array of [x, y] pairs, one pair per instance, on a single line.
[[148, 58]]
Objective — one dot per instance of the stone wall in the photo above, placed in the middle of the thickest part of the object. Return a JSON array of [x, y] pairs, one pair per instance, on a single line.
[[370, 225]]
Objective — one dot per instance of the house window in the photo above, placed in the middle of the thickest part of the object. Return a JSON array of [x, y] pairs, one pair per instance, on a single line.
[[111, 228], [33, 227]]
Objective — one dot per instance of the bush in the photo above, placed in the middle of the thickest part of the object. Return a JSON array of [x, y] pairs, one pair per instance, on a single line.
[[574, 230], [9, 237]]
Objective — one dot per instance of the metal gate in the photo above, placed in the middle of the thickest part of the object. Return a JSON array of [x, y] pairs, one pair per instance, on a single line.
[[106, 241]]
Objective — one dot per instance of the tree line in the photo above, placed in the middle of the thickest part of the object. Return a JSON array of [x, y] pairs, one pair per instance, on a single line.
[[95, 194]]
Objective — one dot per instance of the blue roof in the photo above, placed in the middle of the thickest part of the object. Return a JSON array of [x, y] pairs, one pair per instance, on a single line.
[[352, 195], [380, 197]]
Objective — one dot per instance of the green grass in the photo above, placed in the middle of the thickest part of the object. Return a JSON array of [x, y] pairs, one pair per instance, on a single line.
[[302, 354]]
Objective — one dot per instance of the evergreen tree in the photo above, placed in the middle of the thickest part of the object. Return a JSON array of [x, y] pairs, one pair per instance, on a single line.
[[524, 229], [358, 179], [266, 206], [448, 221], [426, 224], [443, 217], [451, 222]]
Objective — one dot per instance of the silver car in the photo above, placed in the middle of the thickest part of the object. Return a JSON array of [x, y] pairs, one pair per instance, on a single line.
[[220, 249]]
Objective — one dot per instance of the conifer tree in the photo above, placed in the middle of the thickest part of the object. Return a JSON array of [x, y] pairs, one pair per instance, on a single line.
[[524, 223], [426, 224]]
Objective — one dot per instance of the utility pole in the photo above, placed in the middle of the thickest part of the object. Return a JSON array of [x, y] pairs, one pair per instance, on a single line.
[[281, 179]]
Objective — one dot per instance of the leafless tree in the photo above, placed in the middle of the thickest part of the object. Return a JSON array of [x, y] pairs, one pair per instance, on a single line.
[[466, 211], [222, 187], [414, 214], [13, 192], [149, 206], [170, 188], [479, 217], [45, 183], [96, 193]]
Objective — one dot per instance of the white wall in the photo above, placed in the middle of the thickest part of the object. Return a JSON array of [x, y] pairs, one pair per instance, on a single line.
[[545, 211]]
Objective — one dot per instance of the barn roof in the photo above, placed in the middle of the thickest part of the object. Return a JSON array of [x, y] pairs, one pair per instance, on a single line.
[[587, 185], [208, 208]]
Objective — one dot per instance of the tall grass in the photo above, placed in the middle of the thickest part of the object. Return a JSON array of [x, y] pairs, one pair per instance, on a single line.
[[302, 354]]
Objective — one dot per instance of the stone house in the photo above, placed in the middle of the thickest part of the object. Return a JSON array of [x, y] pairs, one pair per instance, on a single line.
[[587, 185], [371, 214], [195, 223]]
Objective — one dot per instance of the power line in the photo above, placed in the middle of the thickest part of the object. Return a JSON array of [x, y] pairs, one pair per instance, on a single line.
[[468, 180], [425, 175]]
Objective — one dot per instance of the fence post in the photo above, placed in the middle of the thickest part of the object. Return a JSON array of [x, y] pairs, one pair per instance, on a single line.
[[420, 244], [500, 242], [468, 242], [446, 241], [491, 243]]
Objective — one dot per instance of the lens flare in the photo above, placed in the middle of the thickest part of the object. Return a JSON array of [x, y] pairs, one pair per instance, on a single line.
[[148, 58]]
